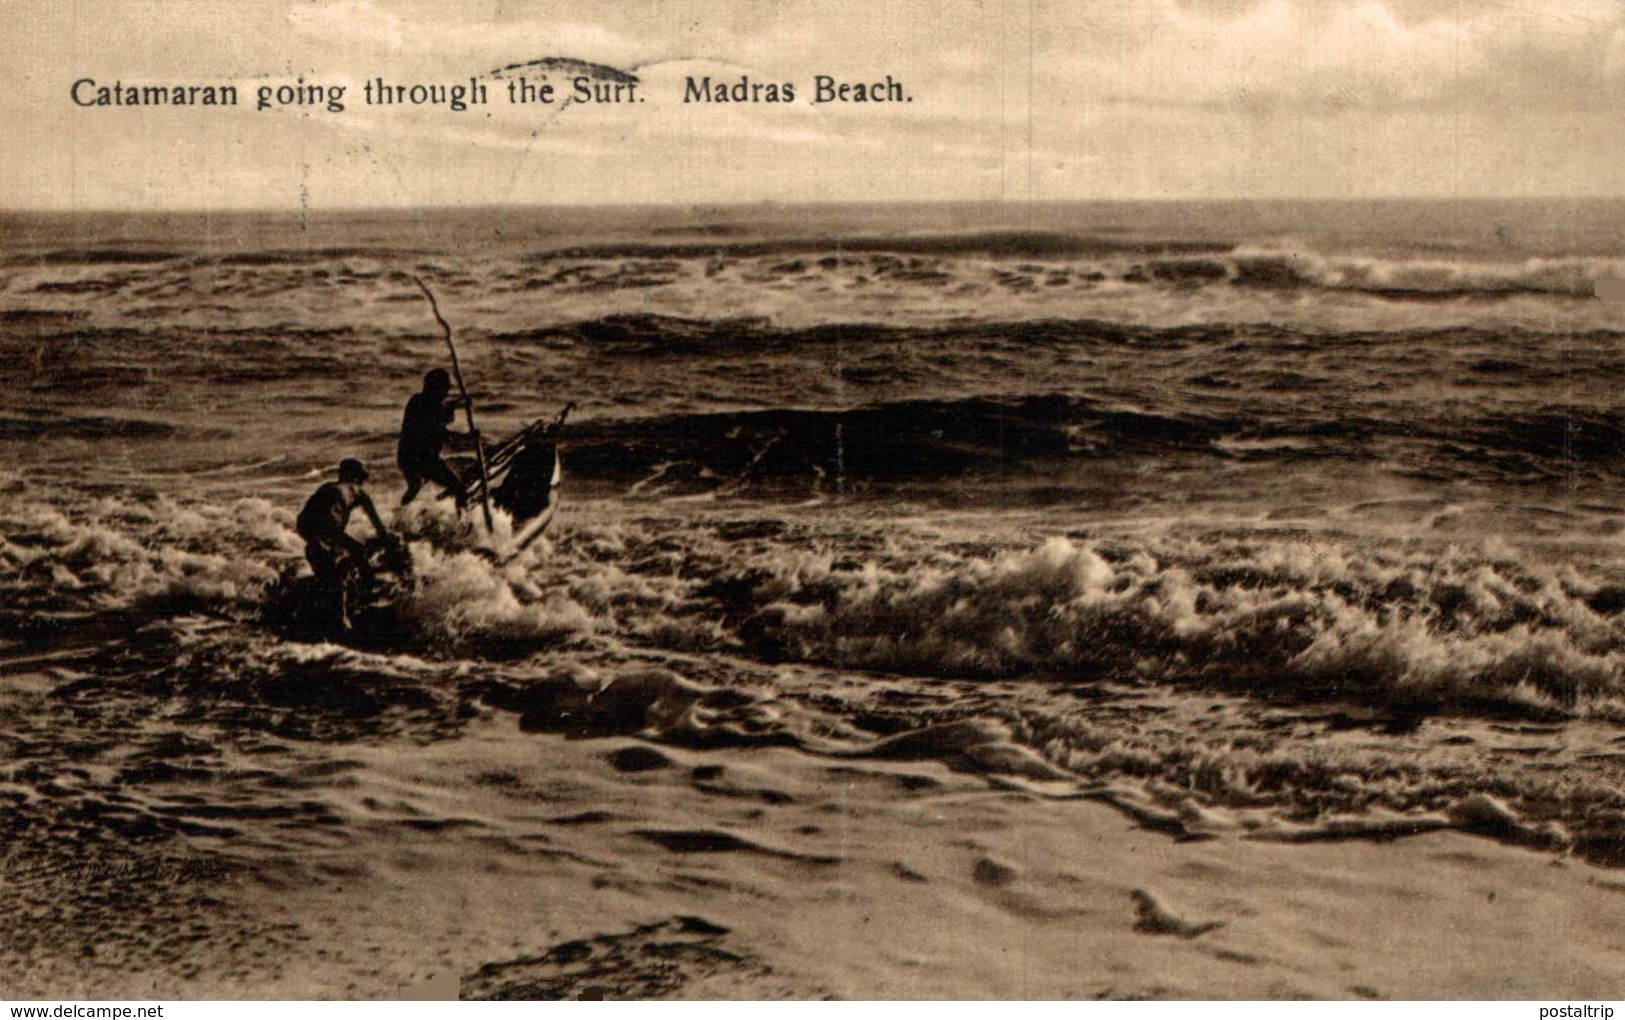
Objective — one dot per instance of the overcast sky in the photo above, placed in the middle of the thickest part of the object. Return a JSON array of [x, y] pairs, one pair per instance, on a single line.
[[1041, 100]]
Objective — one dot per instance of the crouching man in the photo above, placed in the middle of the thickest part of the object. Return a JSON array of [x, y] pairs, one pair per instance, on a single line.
[[334, 556]]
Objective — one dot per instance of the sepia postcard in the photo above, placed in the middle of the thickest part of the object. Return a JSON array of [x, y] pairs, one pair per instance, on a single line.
[[536, 499]]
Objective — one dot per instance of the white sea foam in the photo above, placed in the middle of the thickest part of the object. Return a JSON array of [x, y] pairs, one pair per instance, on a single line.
[[1452, 626]]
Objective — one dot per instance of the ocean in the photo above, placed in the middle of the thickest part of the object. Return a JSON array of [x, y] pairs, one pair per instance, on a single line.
[[1269, 512]]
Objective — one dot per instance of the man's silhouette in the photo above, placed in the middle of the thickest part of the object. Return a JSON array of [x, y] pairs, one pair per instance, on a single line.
[[423, 432], [334, 556]]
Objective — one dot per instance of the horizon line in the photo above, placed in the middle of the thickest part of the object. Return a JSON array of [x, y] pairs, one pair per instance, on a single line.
[[312, 211]]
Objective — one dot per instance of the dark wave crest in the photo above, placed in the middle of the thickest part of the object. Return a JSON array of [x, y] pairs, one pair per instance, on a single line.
[[1058, 436], [995, 243]]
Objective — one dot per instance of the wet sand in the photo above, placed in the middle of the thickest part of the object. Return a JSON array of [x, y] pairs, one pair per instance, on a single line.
[[536, 864]]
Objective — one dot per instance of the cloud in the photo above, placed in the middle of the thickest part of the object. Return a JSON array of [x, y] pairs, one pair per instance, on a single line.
[[361, 27], [349, 21], [1293, 56]]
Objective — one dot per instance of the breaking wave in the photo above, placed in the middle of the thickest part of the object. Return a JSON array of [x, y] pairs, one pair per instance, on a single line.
[[1462, 629], [160, 599], [1485, 629]]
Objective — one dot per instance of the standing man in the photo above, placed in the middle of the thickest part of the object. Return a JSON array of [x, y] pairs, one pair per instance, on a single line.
[[423, 432]]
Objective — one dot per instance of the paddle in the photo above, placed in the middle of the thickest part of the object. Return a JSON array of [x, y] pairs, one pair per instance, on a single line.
[[468, 403]]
